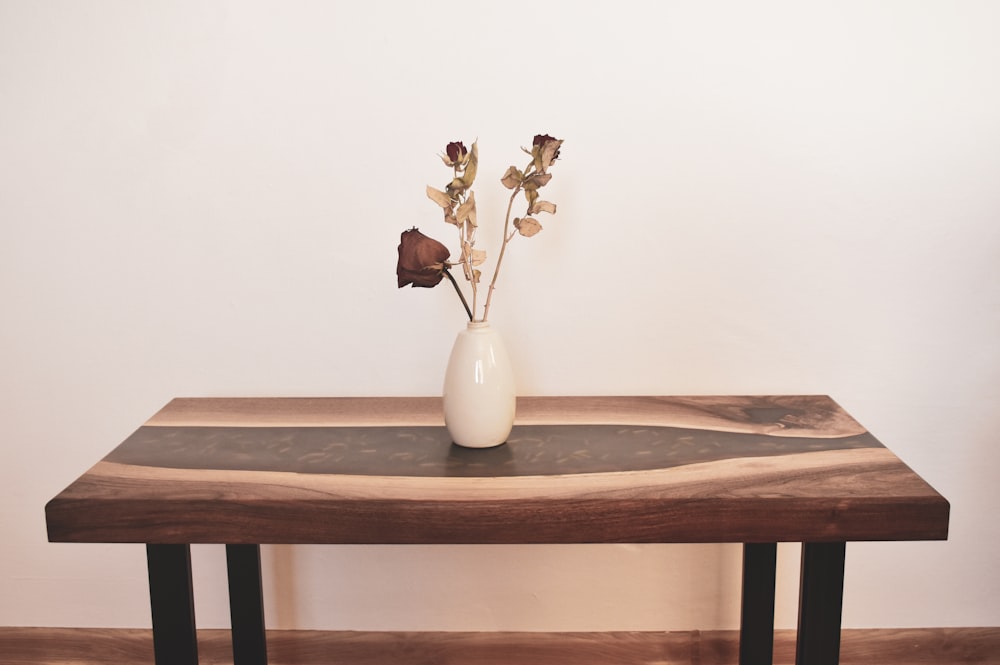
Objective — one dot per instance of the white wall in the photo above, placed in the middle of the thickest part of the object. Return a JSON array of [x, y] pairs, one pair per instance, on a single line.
[[204, 198]]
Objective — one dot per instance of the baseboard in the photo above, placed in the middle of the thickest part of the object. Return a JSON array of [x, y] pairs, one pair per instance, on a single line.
[[114, 646]]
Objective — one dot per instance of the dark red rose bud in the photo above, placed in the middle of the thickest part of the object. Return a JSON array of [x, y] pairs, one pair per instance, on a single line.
[[456, 151], [421, 260]]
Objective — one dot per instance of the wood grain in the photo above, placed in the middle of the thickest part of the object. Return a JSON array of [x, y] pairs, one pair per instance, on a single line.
[[578, 469], [776, 415], [88, 646]]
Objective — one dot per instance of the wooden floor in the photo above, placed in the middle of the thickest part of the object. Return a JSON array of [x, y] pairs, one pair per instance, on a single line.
[[83, 646]]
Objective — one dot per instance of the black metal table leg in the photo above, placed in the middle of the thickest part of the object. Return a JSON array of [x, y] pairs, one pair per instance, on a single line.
[[821, 601], [246, 605], [171, 600], [757, 610]]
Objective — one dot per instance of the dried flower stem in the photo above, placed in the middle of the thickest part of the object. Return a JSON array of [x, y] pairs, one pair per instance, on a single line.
[[507, 237], [457, 200], [458, 290], [471, 271]]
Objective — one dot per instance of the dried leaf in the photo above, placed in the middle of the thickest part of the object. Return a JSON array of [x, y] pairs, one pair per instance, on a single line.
[[478, 255], [537, 180], [542, 206], [528, 226], [469, 176], [467, 211], [536, 158], [548, 153], [512, 178], [532, 196], [438, 197], [476, 274]]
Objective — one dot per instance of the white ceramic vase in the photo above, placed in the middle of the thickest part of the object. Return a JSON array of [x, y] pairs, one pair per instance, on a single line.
[[479, 393]]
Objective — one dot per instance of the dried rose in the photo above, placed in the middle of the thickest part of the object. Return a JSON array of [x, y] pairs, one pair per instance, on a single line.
[[542, 139], [421, 260], [455, 153], [544, 151]]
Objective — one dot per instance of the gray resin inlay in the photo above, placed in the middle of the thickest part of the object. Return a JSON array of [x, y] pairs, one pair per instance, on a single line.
[[531, 450]]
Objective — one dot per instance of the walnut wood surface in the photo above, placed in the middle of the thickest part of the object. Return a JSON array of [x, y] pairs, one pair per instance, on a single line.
[[576, 469], [90, 646]]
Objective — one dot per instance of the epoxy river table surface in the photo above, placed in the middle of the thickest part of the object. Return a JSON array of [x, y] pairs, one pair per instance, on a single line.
[[248, 471]]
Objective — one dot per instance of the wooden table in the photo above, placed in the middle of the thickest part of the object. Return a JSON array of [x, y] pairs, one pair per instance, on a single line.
[[751, 470]]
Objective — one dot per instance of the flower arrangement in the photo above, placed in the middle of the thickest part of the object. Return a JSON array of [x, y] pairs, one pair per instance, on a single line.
[[424, 262]]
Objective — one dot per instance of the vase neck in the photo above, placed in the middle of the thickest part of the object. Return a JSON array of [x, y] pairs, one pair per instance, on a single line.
[[477, 325]]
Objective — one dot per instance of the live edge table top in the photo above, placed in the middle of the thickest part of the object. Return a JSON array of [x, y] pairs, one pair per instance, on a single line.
[[575, 470]]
